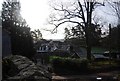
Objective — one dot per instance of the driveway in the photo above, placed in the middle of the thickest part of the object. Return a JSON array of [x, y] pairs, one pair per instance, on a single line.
[[108, 76]]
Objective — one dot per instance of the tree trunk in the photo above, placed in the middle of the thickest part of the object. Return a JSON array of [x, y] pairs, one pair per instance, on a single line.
[[88, 33], [89, 52]]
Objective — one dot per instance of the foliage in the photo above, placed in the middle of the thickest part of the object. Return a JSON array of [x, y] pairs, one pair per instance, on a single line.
[[117, 61], [67, 34], [78, 33], [12, 21], [61, 53], [37, 38], [104, 66], [37, 35], [115, 39], [69, 64]]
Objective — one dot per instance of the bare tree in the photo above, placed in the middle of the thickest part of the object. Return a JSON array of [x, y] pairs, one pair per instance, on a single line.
[[79, 13], [115, 6]]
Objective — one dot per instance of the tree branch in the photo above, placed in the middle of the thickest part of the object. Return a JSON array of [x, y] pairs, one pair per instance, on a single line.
[[56, 26], [83, 17]]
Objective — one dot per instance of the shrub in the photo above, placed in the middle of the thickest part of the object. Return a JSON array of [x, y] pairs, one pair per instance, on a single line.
[[84, 64], [60, 53], [69, 64]]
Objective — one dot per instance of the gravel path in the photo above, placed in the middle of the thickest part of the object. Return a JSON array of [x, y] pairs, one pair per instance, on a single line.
[[108, 76]]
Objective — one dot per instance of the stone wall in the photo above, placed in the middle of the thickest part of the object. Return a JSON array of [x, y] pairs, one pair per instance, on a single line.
[[21, 68]]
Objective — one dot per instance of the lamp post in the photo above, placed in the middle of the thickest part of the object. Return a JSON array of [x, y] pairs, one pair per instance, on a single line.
[[110, 43]]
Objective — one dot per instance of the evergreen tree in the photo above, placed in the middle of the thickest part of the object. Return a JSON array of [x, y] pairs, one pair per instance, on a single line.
[[12, 21]]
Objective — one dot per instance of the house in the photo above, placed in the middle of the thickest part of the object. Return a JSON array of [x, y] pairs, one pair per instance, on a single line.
[[58, 48], [51, 46], [6, 43], [61, 48]]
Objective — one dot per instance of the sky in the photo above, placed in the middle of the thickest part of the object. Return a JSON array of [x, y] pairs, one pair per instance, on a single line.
[[36, 13]]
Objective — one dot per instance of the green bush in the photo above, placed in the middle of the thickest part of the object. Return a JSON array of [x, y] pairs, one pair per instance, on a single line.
[[118, 61], [68, 64]]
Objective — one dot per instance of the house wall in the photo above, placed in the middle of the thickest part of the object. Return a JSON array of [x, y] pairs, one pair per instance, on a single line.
[[6, 44], [0, 42]]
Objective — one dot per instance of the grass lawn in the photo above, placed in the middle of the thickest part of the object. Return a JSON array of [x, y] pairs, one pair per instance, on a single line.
[[98, 50]]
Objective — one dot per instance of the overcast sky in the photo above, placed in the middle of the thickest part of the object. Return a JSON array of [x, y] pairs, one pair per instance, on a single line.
[[36, 13]]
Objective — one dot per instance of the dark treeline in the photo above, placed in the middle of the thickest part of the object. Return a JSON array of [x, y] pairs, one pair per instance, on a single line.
[[112, 41], [12, 22], [97, 38]]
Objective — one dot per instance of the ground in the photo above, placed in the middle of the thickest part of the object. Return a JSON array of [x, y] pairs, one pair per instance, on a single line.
[[108, 76]]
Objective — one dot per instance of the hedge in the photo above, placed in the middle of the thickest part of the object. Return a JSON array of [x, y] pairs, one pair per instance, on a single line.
[[68, 65]]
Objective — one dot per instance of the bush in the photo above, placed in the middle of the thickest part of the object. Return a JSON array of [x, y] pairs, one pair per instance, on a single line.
[[60, 53], [62, 64], [84, 64]]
